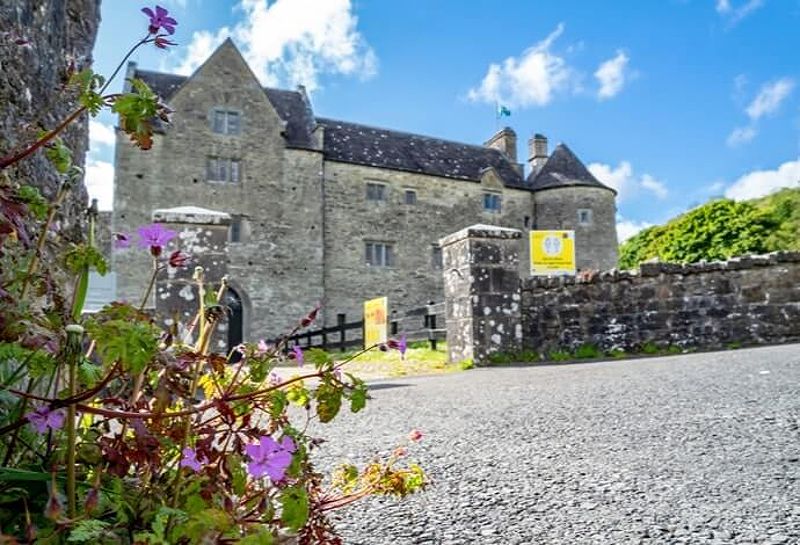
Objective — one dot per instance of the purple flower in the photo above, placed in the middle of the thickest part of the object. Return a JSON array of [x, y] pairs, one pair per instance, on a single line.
[[155, 237], [190, 460], [43, 419], [160, 19], [298, 354], [270, 458], [121, 240], [400, 345], [274, 379], [161, 42]]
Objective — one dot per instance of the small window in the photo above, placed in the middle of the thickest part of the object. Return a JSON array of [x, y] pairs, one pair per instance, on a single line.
[[584, 216], [436, 257], [236, 229], [411, 196], [222, 170], [491, 202], [379, 254], [239, 229], [376, 192], [225, 122]]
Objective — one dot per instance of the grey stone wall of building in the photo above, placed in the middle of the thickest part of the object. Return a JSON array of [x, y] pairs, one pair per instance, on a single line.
[[482, 292], [277, 264], [32, 74], [596, 245], [749, 300], [442, 206], [177, 294]]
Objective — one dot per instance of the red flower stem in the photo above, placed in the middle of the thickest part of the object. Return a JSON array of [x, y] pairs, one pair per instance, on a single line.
[[8, 161], [122, 62]]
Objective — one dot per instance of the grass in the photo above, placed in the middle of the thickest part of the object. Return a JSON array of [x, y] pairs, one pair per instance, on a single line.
[[419, 360]]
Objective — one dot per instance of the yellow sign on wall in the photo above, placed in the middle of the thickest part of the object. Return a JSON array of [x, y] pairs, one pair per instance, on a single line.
[[376, 321], [552, 253]]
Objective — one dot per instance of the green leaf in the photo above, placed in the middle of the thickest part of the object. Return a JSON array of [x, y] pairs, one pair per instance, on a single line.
[[294, 501], [80, 294], [136, 111], [278, 402], [133, 344], [35, 201], [298, 394], [88, 531], [58, 154], [83, 256], [10, 474], [318, 357], [358, 397], [329, 401]]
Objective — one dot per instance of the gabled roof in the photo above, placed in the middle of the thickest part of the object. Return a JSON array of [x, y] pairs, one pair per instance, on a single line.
[[563, 169], [383, 148], [292, 106]]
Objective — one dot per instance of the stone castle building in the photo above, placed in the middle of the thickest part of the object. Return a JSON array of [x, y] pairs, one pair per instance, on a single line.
[[319, 210]]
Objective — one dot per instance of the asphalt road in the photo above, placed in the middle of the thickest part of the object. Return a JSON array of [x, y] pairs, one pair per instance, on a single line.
[[700, 448]]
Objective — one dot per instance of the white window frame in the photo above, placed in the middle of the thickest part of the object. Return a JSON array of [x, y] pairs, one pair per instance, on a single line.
[[407, 193], [215, 167], [589, 218]]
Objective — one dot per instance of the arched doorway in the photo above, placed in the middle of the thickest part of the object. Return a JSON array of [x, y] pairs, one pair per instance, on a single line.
[[235, 320]]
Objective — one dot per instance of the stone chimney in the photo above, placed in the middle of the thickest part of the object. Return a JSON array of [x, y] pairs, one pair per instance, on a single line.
[[537, 152], [505, 140]]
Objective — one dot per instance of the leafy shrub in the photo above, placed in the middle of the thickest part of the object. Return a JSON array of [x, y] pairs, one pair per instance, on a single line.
[[559, 355], [650, 348], [588, 351], [617, 353]]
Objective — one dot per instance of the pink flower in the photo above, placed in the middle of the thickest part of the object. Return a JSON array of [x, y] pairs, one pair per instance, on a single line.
[[155, 237], [43, 419], [415, 435], [298, 354], [400, 345], [178, 259], [190, 460], [274, 379], [121, 240], [160, 19], [162, 42], [270, 458], [263, 347]]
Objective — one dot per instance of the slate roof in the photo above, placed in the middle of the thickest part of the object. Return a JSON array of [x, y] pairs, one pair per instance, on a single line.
[[384, 148], [563, 169]]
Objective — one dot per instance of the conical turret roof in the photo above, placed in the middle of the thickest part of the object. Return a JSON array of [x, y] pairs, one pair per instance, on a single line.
[[563, 169]]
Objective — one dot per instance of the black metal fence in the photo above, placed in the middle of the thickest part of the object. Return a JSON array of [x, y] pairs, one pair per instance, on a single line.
[[419, 324]]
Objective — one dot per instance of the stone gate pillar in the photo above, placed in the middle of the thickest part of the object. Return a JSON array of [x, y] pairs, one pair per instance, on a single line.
[[203, 235], [482, 292]]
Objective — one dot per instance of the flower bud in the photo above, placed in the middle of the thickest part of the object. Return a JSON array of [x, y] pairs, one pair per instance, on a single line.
[[91, 501]]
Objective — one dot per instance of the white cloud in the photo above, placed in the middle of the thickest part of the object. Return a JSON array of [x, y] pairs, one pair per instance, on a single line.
[[100, 134], [734, 14], [292, 41], [770, 98], [627, 228], [651, 184], [532, 79], [625, 181], [611, 75], [741, 135], [762, 182], [100, 182]]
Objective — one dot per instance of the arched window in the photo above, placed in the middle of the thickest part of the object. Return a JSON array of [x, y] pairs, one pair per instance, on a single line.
[[235, 319]]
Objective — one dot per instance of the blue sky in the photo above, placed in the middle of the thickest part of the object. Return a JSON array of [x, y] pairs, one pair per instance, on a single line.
[[669, 101]]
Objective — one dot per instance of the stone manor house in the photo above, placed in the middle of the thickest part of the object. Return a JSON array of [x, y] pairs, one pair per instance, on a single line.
[[333, 212]]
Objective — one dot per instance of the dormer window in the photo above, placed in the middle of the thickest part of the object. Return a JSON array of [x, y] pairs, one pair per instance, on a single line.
[[225, 122], [492, 202]]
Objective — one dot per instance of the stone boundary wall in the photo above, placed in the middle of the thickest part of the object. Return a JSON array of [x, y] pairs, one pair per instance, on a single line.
[[748, 300]]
